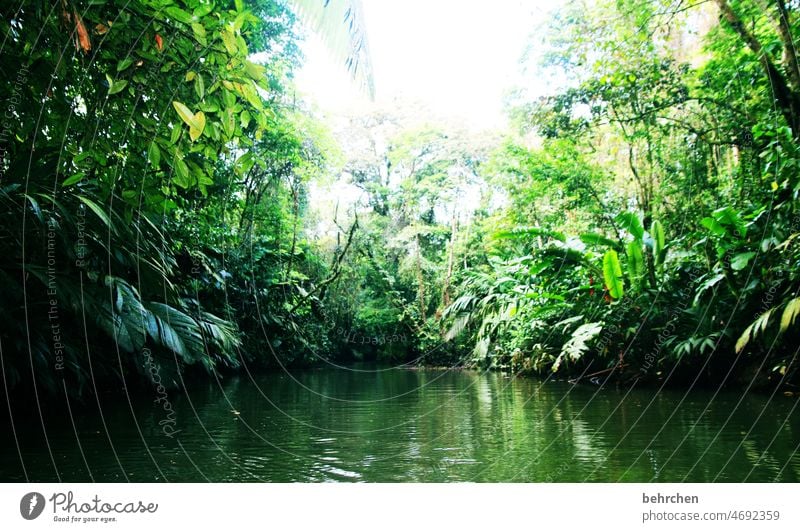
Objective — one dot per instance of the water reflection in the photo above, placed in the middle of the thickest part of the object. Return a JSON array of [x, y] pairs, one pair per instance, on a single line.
[[419, 425]]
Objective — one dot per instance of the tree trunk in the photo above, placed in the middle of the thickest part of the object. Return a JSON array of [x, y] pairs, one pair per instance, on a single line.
[[450, 258], [420, 283], [789, 53], [787, 100]]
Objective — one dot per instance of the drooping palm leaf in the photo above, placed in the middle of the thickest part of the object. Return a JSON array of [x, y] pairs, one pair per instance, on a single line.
[[340, 25]]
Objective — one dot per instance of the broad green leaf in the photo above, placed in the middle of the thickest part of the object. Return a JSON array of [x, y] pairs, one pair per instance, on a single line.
[[251, 94], [175, 134], [244, 119], [593, 239], [229, 40], [199, 120], [199, 86], [631, 223], [181, 174], [228, 122], [612, 274], [83, 156], [203, 10], [243, 164], [228, 97], [199, 32], [714, 226], [728, 216], [740, 261], [196, 121], [255, 71], [73, 179], [659, 242], [238, 23], [178, 14], [124, 63], [154, 155], [635, 261], [706, 285], [117, 86]]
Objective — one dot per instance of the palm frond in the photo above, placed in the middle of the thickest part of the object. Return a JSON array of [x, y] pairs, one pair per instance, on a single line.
[[178, 332], [340, 25]]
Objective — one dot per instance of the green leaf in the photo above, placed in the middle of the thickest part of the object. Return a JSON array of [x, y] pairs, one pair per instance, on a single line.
[[154, 155], [95, 208], [728, 216], [244, 119], [229, 40], [594, 239], [178, 14], [251, 94], [73, 179], [659, 242], [243, 164], [199, 86], [175, 135], [238, 23], [188, 117], [203, 10], [199, 32], [35, 207], [706, 285], [181, 176], [117, 86], [256, 72], [631, 223], [635, 261], [124, 63], [612, 274], [228, 122], [740, 261], [714, 226], [200, 121]]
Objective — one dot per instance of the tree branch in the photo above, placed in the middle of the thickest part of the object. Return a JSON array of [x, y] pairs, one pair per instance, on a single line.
[[336, 270]]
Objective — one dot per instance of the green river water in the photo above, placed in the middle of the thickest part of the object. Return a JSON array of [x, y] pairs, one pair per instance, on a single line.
[[398, 425]]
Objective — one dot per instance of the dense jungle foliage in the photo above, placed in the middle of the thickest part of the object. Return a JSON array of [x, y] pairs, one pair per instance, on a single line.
[[638, 223]]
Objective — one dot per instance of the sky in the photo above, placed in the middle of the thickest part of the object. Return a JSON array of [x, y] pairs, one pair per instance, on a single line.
[[456, 56]]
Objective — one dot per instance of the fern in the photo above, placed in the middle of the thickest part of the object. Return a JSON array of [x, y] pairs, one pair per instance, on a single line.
[[753, 330], [577, 345], [790, 312]]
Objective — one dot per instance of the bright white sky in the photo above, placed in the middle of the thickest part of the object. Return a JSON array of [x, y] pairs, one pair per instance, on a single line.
[[457, 56]]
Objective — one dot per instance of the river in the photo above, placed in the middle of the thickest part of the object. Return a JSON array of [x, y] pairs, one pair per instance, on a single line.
[[396, 425]]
